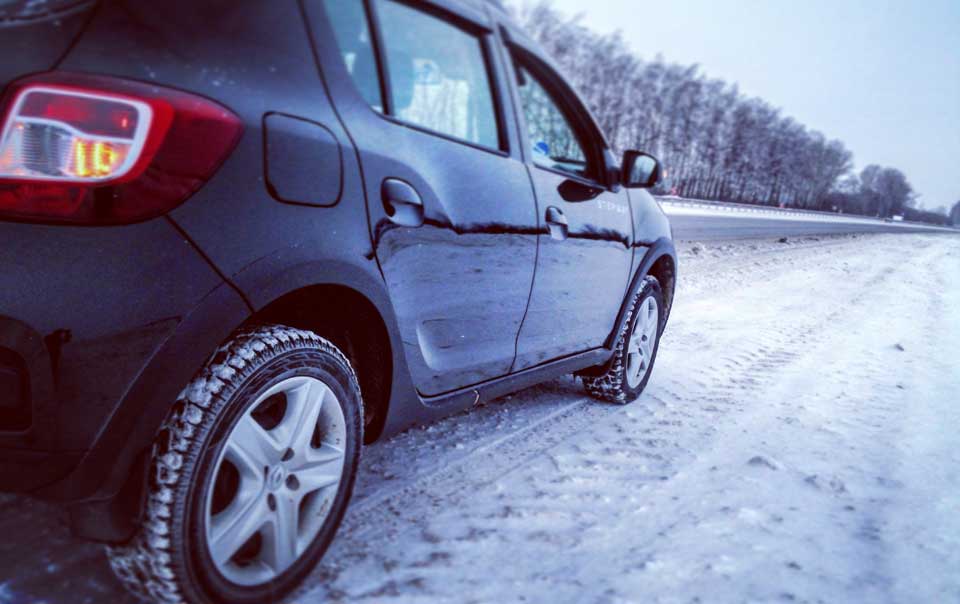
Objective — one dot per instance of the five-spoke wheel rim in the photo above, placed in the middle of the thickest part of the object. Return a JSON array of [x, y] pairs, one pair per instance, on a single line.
[[642, 341], [275, 480]]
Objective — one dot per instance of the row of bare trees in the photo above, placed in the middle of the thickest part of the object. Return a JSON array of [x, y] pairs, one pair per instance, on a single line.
[[715, 142]]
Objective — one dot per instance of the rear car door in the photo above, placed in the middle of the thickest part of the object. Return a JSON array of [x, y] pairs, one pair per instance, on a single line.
[[585, 257], [452, 213]]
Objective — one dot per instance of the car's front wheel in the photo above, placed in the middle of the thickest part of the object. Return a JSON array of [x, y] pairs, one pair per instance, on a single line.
[[627, 374], [250, 475]]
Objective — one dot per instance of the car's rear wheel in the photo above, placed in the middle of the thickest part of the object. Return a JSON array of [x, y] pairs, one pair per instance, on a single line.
[[250, 475], [626, 375]]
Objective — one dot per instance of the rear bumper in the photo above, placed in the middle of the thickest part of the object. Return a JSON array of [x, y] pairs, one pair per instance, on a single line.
[[26, 471], [83, 312]]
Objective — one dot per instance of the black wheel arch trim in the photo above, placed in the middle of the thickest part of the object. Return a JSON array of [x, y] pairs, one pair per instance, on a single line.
[[288, 271], [105, 489], [105, 467], [657, 250]]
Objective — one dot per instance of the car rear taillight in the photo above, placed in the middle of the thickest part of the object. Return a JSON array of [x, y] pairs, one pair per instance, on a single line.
[[64, 135], [95, 150]]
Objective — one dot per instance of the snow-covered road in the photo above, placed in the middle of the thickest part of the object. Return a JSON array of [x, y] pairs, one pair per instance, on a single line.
[[798, 442]]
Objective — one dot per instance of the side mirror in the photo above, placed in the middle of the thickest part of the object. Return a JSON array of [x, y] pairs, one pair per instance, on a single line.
[[640, 170]]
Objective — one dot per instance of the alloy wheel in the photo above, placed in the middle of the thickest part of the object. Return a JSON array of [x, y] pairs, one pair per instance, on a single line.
[[642, 341], [275, 480]]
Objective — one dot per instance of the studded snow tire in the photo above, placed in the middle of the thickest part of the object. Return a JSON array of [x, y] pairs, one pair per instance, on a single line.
[[161, 564], [613, 384]]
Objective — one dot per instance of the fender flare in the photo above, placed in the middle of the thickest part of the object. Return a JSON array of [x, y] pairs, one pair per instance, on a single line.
[[660, 248], [106, 466], [107, 486]]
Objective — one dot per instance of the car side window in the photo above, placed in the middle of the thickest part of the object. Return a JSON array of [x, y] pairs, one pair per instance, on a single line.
[[553, 140], [352, 32], [438, 76]]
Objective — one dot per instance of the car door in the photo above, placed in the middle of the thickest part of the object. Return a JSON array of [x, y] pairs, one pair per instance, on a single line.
[[452, 213], [585, 255]]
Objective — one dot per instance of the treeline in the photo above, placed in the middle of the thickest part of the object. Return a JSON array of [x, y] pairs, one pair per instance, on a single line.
[[715, 142]]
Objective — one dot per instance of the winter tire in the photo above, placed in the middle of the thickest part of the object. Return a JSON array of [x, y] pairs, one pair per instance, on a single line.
[[250, 474], [628, 372]]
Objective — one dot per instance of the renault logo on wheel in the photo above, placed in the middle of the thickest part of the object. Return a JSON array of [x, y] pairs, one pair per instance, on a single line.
[[276, 478]]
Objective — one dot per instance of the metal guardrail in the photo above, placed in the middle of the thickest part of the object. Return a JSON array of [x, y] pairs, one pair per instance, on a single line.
[[744, 206], [748, 207], [761, 209], [721, 220]]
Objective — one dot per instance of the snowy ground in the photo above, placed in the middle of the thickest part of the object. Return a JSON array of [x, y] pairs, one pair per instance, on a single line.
[[797, 443]]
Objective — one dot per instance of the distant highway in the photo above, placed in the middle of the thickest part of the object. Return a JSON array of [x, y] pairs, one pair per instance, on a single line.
[[699, 221]]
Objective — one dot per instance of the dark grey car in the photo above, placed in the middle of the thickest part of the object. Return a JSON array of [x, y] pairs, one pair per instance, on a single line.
[[240, 239]]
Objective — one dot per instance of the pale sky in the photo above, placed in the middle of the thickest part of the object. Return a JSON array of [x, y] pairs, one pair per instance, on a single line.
[[883, 76]]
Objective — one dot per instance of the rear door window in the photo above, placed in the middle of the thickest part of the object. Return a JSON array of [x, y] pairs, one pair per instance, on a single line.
[[438, 77], [420, 68]]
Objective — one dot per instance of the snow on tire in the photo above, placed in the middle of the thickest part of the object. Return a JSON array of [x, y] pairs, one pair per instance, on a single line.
[[635, 353], [172, 558]]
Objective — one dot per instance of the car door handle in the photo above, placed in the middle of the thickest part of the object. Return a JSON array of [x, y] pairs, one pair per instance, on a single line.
[[402, 203], [557, 223]]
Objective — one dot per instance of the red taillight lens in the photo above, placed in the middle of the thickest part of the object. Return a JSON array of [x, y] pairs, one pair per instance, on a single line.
[[66, 135], [96, 150]]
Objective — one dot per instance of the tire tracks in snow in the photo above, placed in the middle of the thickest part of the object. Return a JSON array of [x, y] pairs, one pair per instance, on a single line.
[[844, 486], [659, 434]]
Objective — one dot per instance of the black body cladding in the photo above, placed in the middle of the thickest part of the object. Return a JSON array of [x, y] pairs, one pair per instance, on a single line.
[[447, 259]]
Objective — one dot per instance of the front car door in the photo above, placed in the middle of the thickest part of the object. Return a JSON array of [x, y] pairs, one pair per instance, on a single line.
[[586, 250], [452, 213]]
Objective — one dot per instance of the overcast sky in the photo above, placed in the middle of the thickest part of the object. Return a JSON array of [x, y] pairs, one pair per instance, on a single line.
[[882, 76]]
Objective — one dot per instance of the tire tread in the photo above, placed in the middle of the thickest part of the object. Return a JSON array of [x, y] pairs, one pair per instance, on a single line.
[[611, 386]]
